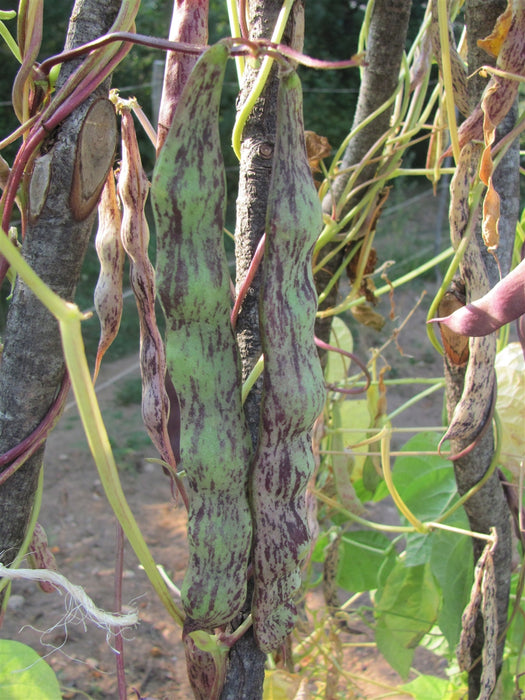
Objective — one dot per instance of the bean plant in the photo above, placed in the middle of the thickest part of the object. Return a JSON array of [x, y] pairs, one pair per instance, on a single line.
[[270, 517]]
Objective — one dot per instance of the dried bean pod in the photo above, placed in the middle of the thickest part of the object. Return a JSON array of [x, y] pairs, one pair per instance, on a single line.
[[475, 404], [133, 191], [294, 391], [108, 292], [188, 195], [40, 556]]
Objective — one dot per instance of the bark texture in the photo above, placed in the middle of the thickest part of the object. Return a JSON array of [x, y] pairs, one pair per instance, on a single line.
[[487, 508], [32, 366], [385, 46], [246, 670]]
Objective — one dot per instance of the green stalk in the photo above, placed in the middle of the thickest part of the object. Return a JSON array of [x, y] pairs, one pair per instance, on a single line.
[[235, 29], [262, 77], [387, 473], [69, 318], [6, 34], [447, 77], [422, 394], [357, 519], [254, 375], [347, 304]]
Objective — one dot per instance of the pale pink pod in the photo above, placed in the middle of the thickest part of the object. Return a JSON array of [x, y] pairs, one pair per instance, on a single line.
[[40, 556]]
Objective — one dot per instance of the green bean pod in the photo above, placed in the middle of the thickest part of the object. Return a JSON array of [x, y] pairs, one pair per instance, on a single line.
[[293, 388], [188, 196]]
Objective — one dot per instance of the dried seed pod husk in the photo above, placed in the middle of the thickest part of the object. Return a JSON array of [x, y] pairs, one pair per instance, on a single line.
[[133, 191], [108, 297]]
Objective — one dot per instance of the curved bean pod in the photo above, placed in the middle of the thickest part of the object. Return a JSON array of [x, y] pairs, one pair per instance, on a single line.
[[294, 391], [504, 303], [108, 298], [202, 356], [133, 190]]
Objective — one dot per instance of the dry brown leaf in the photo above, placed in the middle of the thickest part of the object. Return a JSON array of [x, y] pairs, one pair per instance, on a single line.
[[493, 42]]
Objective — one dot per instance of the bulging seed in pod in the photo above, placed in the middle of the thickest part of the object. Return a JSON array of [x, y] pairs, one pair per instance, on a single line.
[[188, 196], [294, 392]]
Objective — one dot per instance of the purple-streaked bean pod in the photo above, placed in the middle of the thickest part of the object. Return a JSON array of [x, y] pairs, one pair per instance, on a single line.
[[188, 196], [294, 390], [108, 291], [133, 187]]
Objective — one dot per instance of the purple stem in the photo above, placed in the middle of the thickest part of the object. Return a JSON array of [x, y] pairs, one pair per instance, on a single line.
[[245, 47], [40, 131], [118, 640], [28, 444], [243, 291], [330, 348]]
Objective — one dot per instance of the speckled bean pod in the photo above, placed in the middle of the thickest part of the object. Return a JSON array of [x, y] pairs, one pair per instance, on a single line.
[[133, 190], [294, 391], [108, 292], [188, 195]]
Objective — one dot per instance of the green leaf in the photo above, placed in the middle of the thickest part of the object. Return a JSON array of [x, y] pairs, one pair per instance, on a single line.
[[428, 687], [352, 413], [363, 554], [24, 674], [337, 366], [452, 564], [321, 543], [406, 609]]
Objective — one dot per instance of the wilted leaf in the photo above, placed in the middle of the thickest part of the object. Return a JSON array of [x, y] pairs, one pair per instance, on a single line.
[[280, 684], [493, 42]]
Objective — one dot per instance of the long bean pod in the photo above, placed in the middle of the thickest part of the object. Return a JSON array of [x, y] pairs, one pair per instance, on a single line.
[[188, 195], [133, 190], [293, 389]]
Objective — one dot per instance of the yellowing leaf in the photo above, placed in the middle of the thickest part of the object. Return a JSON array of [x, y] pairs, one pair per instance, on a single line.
[[492, 43], [280, 685], [491, 203]]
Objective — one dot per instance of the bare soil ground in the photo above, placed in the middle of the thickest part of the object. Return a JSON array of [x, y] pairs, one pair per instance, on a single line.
[[81, 530]]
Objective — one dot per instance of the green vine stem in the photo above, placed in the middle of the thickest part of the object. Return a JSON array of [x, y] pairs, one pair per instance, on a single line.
[[69, 318], [490, 471], [235, 28], [261, 79], [387, 473], [447, 77], [385, 289]]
